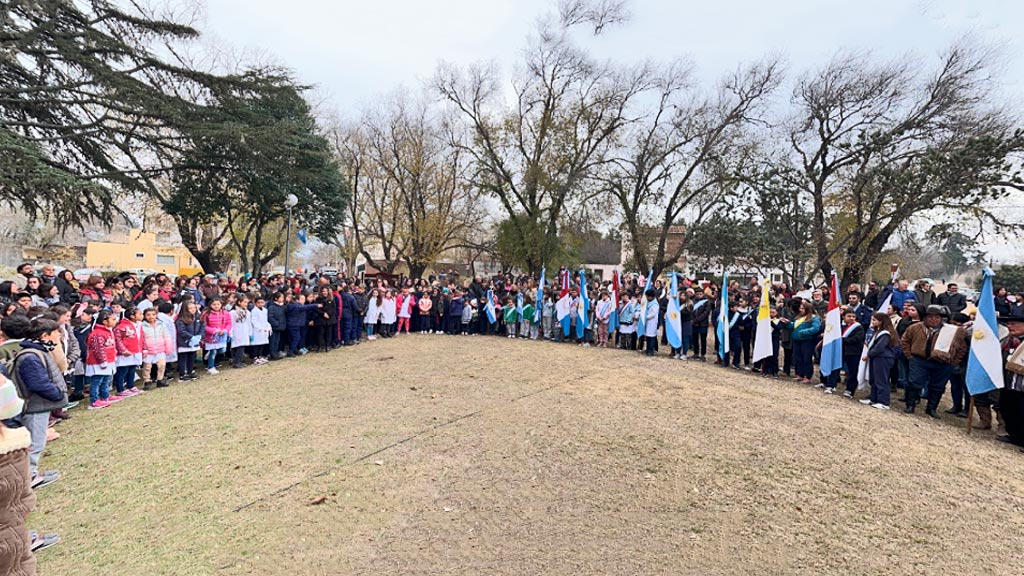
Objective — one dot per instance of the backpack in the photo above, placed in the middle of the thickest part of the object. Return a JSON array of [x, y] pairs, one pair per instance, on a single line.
[[8, 364]]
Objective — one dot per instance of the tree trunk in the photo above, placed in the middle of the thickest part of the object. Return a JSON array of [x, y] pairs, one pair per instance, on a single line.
[[416, 269]]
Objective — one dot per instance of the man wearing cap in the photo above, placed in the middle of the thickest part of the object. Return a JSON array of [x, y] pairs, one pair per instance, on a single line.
[[933, 347], [209, 287]]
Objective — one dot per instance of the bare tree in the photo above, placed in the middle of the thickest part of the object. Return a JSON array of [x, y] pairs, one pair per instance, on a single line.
[[535, 155], [877, 146], [414, 196], [682, 159]]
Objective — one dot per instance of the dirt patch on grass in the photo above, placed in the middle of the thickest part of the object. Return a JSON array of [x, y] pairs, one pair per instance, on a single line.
[[471, 456]]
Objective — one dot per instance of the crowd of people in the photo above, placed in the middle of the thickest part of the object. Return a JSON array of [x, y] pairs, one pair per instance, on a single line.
[[110, 338]]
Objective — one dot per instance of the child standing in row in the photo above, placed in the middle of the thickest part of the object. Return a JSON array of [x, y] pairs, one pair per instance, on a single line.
[[511, 318], [602, 313], [259, 347], [404, 306], [241, 331], [389, 315], [526, 323], [425, 304], [189, 329], [81, 327], [128, 339], [101, 359], [216, 327], [156, 343]]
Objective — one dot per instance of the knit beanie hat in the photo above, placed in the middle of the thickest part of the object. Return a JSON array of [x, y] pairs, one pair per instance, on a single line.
[[10, 403]]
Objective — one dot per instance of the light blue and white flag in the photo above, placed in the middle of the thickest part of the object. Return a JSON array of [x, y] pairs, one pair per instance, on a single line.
[[583, 307], [301, 235], [673, 319], [613, 319], [985, 363], [492, 317], [832, 340], [722, 328], [538, 308], [519, 306], [641, 325]]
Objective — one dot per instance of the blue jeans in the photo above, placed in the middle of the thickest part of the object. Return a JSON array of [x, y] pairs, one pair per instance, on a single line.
[[124, 378], [211, 358], [927, 375], [99, 386]]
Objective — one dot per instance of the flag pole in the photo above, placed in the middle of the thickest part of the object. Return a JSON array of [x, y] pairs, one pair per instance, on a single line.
[[970, 416]]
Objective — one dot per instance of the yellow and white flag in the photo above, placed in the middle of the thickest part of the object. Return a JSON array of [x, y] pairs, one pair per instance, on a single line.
[[763, 336]]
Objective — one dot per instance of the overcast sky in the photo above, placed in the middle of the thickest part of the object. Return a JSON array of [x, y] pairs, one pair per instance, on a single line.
[[356, 51]]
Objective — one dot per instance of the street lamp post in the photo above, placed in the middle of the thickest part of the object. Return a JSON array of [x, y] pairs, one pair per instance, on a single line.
[[289, 203]]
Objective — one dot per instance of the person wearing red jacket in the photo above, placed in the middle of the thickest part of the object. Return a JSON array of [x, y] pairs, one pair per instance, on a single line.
[[128, 340], [101, 359]]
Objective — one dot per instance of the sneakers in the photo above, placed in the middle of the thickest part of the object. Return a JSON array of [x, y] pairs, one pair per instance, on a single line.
[[124, 393], [44, 541], [98, 405], [135, 391], [865, 401], [848, 394], [880, 406], [44, 478], [162, 383], [830, 390], [818, 385], [113, 398], [212, 371]]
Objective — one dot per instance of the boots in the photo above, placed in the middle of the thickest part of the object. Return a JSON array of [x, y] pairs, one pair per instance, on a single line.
[[984, 418]]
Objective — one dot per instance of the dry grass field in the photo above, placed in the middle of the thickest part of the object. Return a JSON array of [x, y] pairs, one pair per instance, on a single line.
[[472, 456]]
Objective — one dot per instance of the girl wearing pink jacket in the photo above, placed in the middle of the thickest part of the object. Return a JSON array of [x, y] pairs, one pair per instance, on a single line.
[[218, 325], [156, 345]]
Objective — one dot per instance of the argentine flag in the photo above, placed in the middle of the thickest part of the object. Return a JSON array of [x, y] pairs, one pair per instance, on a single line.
[[722, 329], [563, 307], [763, 336], [985, 363], [519, 306], [492, 317], [583, 308], [673, 320], [641, 325], [832, 341], [538, 308]]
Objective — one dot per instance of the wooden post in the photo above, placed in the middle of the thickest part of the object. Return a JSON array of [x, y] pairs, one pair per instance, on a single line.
[[970, 416]]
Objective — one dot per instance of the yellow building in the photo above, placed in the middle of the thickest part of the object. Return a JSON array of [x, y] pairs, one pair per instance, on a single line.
[[140, 251]]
